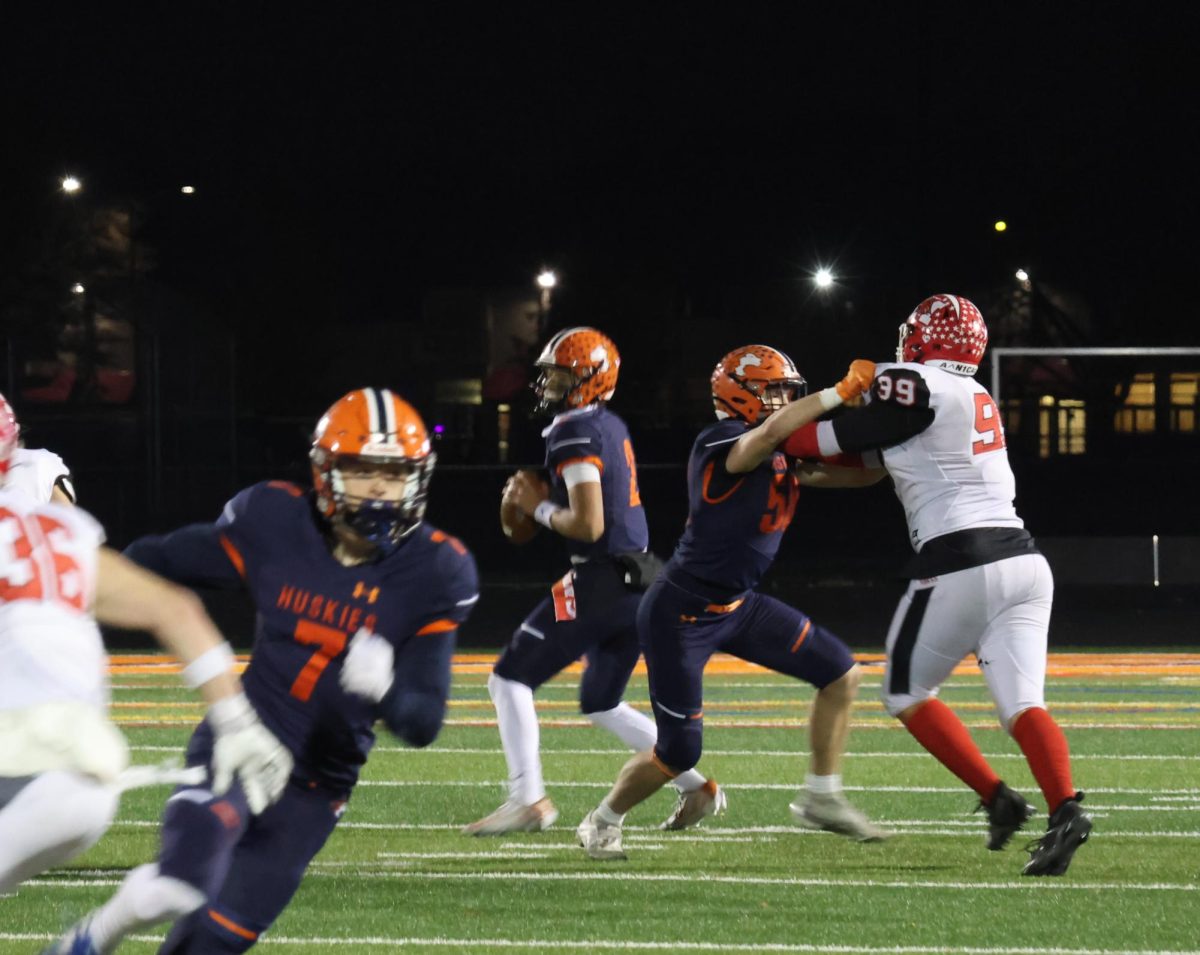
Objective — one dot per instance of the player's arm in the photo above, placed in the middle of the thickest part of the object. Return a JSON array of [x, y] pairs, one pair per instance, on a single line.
[[197, 555], [823, 475], [582, 519], [760, 442], [131, 597], [63, 491], [412, 684], [899, 409]]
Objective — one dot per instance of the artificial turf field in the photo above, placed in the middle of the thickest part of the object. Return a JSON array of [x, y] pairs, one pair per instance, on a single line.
[[397, 875]]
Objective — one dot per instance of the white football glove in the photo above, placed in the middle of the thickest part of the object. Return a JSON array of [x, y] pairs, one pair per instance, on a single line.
[[246, 749], [369, 667]]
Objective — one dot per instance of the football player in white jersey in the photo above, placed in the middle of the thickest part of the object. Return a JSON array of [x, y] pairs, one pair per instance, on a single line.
[[978, 583], [41, 474], [61, 759]]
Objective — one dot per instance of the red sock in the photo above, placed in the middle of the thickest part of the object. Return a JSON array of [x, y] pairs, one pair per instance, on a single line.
[[942, 733], [1046, 751]]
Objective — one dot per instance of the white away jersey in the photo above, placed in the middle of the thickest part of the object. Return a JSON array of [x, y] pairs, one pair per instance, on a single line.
[[34, 472], [50, 646], [955, 474]]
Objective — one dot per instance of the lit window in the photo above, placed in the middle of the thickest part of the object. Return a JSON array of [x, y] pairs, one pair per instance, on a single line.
[[1062, 426], [1136, 416], [1185, 390], [1011, 410]]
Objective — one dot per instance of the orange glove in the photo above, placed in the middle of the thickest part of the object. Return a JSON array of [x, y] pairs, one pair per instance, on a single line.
[[858, 379]]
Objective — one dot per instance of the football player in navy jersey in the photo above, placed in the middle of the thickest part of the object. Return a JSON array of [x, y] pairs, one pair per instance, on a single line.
[[742, 491], [358, 604], [593, 502]]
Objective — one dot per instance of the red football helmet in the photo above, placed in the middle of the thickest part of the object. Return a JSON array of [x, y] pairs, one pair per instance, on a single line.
[[592, 361], [10, 437], [754, 381], [945, 331], [372, 426]]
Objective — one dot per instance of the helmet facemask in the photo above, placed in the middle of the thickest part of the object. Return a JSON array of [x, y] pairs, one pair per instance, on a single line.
[[554, 388], [383, 520]]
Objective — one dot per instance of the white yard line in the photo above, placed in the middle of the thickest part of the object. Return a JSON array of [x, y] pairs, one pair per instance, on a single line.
[[671, 945], [753, 753], [605, 874]]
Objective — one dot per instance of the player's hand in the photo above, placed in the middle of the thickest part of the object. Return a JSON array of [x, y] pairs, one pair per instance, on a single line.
[[525, 491], [369, 667], [247, 750], [858, 379]]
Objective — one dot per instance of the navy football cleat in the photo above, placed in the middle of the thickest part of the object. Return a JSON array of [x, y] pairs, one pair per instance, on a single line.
[[1068, 829], [1007, 812]]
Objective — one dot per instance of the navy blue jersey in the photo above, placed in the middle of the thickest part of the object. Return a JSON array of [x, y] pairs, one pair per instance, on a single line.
[[596, 436], [735, 521], [308, 605]]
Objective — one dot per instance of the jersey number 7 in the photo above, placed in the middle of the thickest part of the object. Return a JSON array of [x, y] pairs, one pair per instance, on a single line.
[[329, 642]]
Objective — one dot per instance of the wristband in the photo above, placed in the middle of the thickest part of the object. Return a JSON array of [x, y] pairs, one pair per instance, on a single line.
[[211, 664], [829, 398], [544, 512]]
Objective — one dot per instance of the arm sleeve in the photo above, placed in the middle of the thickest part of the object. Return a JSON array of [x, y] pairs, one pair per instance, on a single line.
[[899, 408], [415, 706], [204, 555], [574, 442], [879, 425]]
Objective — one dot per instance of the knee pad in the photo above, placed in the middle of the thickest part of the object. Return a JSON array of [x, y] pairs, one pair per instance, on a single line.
[[680, 744], [199, 833]]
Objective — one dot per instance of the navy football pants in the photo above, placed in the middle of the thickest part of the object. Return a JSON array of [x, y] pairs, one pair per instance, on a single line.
[[680, 631], [248, 867], [603, 631]]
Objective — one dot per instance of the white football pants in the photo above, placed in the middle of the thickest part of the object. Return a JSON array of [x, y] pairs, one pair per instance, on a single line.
[[1000, 612], [49, 822]]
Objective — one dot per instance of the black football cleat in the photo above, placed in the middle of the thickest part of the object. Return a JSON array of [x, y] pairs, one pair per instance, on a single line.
[[1007, 812], [1068, 829]]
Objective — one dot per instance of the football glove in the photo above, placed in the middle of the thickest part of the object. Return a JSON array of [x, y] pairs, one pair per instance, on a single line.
[[247, 750], [858, 379], [369, 667]]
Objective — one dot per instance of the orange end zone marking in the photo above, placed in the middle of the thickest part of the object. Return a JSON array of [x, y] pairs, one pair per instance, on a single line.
[[1058, 664]]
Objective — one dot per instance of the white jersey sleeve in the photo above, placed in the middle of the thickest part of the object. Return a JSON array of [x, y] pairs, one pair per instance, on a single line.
[[34, 472], [955, 474]]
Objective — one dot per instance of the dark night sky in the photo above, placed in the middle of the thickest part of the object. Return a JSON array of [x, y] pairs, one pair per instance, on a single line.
[[351, 156]]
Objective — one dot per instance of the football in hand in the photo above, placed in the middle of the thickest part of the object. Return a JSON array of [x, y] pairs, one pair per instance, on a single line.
[[518, 526]]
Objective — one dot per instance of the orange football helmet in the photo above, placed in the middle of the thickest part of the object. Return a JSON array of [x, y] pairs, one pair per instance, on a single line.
[[754, 381], [372, 426], [592, 361], [10, 437]]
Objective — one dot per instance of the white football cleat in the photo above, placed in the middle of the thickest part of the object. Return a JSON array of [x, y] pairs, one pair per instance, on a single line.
[[833, 813], [514, 817], [697, 805], [599, 840]]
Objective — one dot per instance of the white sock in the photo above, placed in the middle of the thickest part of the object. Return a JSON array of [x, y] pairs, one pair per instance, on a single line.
[[638, 732], [517, 717], [823, 785], [607, 816], [144, 899]]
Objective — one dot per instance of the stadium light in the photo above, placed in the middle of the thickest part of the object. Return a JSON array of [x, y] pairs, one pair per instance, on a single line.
[[1000, 225], [1022, 275], [71, 185], [823, 278], [546, 279], [188, 190], [78, 289]]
